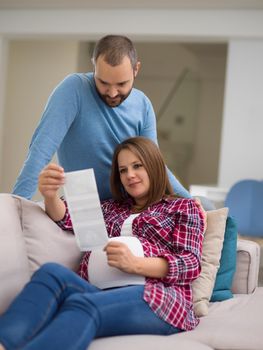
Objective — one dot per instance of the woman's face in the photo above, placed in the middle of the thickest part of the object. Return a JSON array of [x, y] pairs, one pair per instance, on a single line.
[[134, 177]]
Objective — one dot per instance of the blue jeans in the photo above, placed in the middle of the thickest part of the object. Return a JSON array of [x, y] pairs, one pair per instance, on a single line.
[[59, 310]]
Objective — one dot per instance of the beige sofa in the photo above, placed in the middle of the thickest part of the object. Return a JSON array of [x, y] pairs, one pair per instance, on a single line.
[[28, 238]]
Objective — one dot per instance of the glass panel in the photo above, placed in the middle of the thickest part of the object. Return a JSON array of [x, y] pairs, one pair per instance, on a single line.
[[177, 122]]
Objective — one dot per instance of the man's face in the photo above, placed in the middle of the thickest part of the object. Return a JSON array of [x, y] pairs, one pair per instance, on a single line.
[[114, 84]]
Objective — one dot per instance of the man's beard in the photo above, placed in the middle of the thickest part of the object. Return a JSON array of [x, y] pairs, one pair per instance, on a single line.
[[115, 101]]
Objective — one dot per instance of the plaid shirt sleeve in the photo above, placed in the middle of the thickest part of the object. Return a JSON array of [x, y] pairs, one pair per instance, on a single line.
[[65, 223], [185, 263]]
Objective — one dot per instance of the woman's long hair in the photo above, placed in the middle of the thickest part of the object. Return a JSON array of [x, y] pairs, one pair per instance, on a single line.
[[150, 156]]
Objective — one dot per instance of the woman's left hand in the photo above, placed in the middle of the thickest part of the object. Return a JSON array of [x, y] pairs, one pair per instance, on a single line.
[[120, 256]]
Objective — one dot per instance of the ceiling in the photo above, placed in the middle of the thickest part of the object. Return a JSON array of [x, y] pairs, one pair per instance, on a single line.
[[170, 4]]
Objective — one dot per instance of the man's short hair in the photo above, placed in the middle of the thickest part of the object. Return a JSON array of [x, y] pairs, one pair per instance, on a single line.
[[114, 48]]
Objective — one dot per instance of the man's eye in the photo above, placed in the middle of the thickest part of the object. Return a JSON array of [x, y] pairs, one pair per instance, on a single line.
[[122, 84]]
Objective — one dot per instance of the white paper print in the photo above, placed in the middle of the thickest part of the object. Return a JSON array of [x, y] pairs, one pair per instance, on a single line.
[[81, 194]]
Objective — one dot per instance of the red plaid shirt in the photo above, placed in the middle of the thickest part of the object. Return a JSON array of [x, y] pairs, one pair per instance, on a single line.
[[172, 229]]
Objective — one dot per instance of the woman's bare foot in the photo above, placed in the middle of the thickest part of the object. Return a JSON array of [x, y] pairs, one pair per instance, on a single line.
[[1, 347]]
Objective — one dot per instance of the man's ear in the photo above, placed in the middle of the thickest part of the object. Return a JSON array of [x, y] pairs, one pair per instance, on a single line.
[[137, 68]]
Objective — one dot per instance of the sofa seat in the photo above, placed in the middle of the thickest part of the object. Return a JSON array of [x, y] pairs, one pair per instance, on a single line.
[[232, 324]]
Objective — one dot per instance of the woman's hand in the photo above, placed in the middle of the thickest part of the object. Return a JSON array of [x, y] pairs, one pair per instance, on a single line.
[[120, 256], [50, 180]]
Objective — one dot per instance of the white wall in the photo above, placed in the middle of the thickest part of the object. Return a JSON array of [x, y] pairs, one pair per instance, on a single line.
[[147, 23], [203, 167], [242, 134], [34, 69]]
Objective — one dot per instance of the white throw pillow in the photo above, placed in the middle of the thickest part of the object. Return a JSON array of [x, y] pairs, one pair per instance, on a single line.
[[211, 254]]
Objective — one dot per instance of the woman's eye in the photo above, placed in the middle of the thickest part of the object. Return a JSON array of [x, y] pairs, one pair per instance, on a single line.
[[136, 166], [122, 171]]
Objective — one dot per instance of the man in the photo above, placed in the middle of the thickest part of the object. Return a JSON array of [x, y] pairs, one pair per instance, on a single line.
[[87, 115]]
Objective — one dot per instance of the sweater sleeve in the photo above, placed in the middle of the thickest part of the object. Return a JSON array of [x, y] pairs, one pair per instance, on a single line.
[[59, 113]]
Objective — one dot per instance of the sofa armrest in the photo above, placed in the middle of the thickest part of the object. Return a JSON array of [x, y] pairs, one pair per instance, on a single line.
[[246, 276]]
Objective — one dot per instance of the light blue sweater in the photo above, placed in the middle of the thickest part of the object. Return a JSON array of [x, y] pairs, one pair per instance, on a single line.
[[84, 132]]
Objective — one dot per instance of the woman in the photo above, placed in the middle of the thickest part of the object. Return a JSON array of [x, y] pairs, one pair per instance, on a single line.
[[59, 310]]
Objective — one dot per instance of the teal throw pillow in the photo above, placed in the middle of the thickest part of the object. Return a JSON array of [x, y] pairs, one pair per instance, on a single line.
[[227, 268]]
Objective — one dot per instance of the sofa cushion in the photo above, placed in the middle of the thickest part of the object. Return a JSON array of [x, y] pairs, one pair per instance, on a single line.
[[211, 254], [14, 269], [44, 240], [227, 268], [29, 238]]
